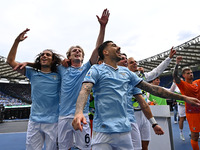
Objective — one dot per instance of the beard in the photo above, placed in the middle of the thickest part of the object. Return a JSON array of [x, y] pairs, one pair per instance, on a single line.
[[118, 59], [77, 61], [45, 66]]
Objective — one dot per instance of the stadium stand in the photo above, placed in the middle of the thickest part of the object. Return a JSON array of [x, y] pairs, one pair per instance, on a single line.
[[20, 91], [190, 51]]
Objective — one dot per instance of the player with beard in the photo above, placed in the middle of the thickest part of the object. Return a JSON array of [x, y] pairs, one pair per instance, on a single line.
[[189, 88], [143, 123], [111, 126], [72, 78]]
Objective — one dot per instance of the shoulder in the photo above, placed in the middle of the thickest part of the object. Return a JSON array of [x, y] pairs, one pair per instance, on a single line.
[[99, 67], [197, 81], [61, 68], [30, 70], [87, 64], [125, 69]]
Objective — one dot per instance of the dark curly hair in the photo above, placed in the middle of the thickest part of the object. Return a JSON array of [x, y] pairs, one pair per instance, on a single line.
[[56, 60]]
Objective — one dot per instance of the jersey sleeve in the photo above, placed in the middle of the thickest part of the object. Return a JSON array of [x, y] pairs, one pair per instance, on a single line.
[[149, 76], [92, 75], [135, 80], [136, 91], [29, 72]]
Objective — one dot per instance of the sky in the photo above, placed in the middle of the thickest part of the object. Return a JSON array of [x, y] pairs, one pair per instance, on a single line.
[[141, 28]]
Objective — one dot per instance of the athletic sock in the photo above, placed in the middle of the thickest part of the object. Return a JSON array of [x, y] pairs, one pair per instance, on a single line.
[[194, 144]]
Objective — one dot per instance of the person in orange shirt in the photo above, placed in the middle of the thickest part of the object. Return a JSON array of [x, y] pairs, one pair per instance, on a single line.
[[189, 88]]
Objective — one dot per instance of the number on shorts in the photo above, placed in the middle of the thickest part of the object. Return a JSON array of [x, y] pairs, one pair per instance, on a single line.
[[87, 138]]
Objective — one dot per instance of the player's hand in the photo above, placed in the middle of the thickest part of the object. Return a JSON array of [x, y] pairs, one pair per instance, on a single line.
[[78, 122], [172, 52], [104, 17], [179, 59], [141, 69], [22, 36], [20, 66], [66, 62], [158, 130]]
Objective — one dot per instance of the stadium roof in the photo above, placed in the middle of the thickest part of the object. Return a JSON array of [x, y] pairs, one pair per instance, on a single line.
[[190, 51], [8, 74]]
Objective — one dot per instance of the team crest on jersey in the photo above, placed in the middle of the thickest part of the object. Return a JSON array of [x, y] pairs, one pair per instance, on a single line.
[[88, 75], [80, 69], [123, 74], [54, 77]]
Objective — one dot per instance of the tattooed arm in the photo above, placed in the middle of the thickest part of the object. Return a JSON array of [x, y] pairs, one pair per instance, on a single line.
[[80, 104], [175, 73], [161, 92], [147, 112]]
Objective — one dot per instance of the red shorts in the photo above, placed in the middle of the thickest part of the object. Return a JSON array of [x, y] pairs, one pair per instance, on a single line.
[[193, 121]]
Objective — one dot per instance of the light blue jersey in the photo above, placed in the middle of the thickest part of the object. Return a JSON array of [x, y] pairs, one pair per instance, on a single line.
[[110, 90], [45, 92], [130, 110], [71, 84]]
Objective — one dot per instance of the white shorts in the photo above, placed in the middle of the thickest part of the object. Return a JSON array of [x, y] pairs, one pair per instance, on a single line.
[[111, 141], [68, 137], [181, 110], [144, 125], [40, 133], [136, 137]]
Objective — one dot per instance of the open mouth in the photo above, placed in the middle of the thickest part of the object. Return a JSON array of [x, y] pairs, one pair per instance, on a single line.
[[118, 51], [43, 60], [77, 56]]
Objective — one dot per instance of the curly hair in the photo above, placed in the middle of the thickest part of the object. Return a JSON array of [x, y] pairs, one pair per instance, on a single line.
[[56, 60]]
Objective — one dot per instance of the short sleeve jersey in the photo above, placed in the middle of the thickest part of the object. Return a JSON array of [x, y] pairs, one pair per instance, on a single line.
[[71, 84], [192, 90], [110, 90], [45, 92]]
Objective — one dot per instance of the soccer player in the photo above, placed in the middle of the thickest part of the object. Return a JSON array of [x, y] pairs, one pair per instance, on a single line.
[[133, 94], [143, 123], [45, 89], [189, 88], [111, 126], [72, 78]]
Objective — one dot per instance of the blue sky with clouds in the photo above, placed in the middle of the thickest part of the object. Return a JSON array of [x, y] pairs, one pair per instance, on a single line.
[[141, 28]]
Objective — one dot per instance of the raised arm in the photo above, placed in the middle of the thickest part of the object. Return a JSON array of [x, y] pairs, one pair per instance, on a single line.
[[12, 54], [80, 104], [176, 77], [173, 87], [103, 21], [160, 68], [161, 92]]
